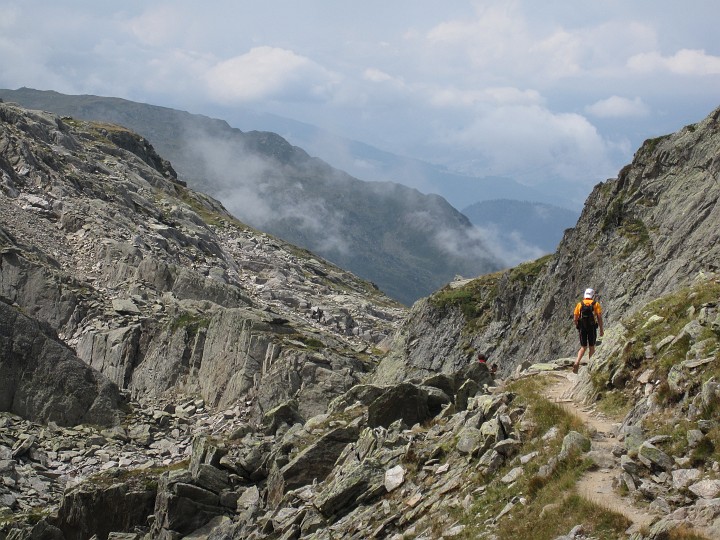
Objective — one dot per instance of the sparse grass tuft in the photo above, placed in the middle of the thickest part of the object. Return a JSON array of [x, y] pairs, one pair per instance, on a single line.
[[615, 404], [190, 321], [637, 234], [703, 452], [527, 272], [474, 300], [558, 519], [683, 532]]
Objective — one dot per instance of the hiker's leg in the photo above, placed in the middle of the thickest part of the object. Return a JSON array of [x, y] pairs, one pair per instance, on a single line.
[[591, 351], [576, 365]]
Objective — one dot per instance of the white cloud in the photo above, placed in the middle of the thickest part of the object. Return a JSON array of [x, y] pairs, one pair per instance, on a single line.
[[509, 43], [684, 62], [495, 96], [9, 16], [508, 246], [484, 82], [531, 143], [618, 107], [477, 44], [267, 73], [158, 25], [252, 189], [376, 75]]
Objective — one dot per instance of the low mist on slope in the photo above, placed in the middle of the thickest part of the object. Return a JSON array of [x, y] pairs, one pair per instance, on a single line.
[[519, 231], [408, 243]]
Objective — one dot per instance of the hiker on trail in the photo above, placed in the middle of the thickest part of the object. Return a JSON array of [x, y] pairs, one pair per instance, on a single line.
[[588, 319], [482, 358]]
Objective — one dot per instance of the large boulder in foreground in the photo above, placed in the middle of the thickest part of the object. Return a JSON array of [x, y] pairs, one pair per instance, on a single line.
[[42, 380], [404, 402]]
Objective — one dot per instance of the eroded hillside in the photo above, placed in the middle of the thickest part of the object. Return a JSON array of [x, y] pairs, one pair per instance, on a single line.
[[407, 242]]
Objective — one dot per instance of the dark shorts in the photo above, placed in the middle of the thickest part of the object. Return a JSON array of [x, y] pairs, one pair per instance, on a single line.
[[588, 336]]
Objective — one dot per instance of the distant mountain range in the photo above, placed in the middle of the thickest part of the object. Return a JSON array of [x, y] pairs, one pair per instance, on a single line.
[[408, 243], [370, 163], [521, 230]]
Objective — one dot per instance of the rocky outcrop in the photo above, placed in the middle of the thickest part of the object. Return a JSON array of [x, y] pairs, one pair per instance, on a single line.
[[42, 380], [158, 287], [96, 509]]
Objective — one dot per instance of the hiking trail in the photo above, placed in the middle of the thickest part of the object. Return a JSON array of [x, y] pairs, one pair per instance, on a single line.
[[597, 485]]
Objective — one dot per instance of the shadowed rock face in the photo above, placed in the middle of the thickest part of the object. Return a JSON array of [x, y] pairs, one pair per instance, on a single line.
[[42, 380]]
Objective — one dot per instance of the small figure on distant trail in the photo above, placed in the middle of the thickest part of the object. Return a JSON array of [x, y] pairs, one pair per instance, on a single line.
[[493, 368], [482, 358], [588, 319]]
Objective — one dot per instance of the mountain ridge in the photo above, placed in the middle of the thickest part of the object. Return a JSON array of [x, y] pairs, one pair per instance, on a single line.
[[385, 232]]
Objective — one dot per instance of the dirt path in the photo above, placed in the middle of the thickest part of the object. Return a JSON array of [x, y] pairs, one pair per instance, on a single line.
[[597, 485]]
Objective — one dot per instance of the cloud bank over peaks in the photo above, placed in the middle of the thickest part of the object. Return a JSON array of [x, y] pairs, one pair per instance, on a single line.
[[533, 90]]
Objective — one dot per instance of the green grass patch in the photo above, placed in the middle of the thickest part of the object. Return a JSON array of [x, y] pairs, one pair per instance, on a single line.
[[683, 532], [189, 320], [310, 342], [208, 214], [673, 308], [650, 145], [562, 513], [676, 311], [474, 299], [529, 271], [146, 479], [615, 404], [544, 414], [637, 235], [614, 215], [10, 521], [667, 422]]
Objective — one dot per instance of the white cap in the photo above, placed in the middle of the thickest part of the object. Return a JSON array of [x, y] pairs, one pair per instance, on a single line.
[[589, 293]]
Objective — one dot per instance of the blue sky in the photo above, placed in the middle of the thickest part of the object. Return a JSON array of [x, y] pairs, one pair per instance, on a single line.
[[552, 91]]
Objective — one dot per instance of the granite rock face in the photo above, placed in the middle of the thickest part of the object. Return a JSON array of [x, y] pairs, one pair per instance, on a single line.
[[160, 289]]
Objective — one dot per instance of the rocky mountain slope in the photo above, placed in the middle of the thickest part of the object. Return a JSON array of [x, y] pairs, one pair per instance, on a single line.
[[408, 243], [158, 287], [641, 236], [238, 376]]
